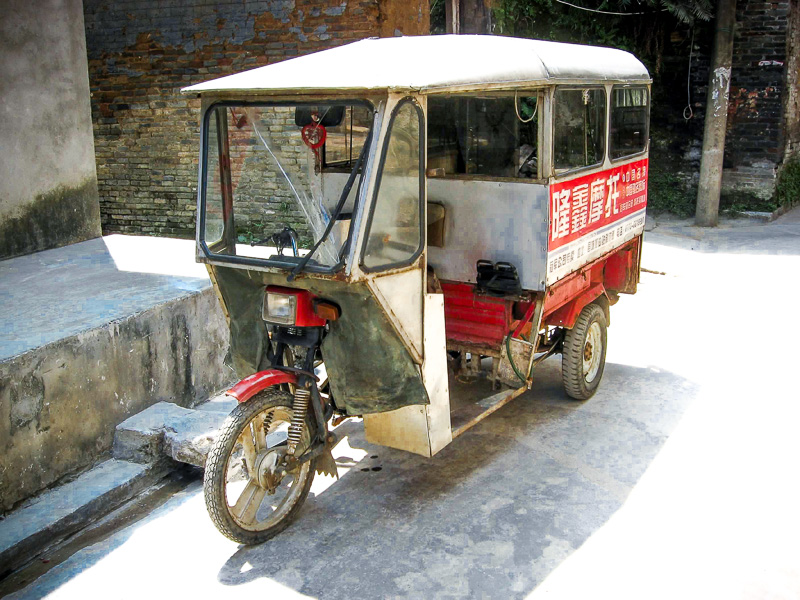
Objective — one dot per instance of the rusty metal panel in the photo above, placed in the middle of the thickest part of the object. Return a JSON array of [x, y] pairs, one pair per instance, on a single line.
[[357, 350], [421, 429]]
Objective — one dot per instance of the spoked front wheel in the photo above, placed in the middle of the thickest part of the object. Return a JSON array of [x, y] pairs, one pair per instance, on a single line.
[[249, 494]]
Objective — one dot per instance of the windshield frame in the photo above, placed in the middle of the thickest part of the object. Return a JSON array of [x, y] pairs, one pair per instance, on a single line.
[[247, 261]]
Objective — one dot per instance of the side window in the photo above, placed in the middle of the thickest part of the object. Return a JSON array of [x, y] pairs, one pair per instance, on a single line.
[[629, 118], [483, 135], [579, 126], [215, 211], [395, 223]]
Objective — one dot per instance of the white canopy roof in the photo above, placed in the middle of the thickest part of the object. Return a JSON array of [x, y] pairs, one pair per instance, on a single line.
[[436, 63]]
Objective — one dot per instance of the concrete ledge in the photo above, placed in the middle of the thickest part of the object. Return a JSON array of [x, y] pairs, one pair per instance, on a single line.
[[58, 513], [91, 334]]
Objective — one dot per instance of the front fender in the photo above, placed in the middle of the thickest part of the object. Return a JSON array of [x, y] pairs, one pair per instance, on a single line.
[[251, 385]]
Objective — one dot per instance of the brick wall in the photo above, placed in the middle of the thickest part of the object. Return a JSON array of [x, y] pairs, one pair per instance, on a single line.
[[756, 140], [141, 53], [759, 74], [791, 111], [763, 120]]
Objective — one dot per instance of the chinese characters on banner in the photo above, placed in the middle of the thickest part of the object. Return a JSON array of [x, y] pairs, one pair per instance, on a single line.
[[591, 215]]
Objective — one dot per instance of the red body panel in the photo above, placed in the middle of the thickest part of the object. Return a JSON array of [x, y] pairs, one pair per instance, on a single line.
[[588, 203], [474, 319], [251, 385], [613, 272], [567, 314], [478, 320]]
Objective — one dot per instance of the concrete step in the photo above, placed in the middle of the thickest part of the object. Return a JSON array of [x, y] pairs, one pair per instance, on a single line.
[[52, 516], [166, 429]]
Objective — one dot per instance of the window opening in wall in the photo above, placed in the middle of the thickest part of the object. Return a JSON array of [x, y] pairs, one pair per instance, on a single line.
[[484, 135], [579, 126], [629, 118]]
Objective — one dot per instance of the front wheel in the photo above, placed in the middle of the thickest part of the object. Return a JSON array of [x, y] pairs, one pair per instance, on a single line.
[[248, 494], [584, 353]]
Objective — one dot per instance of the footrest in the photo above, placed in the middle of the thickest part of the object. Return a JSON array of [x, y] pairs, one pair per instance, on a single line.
[[468, 416]]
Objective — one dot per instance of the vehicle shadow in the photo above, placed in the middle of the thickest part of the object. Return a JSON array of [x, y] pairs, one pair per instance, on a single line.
[[493, 513]]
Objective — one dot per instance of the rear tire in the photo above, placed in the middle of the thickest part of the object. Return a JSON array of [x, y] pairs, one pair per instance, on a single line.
[[584, 353]]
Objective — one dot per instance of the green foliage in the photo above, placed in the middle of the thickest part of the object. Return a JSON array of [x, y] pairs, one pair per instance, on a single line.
[[687, 11], [438, 17], [741, 201], [550, 20], [787, 190], [669, 192], [642, 28]]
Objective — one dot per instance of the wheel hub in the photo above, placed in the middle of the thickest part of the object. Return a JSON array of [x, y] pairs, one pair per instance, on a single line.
[[269, 469], [592, 352]]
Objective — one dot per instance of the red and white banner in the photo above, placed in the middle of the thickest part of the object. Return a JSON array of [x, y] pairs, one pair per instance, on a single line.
[[591, 215]]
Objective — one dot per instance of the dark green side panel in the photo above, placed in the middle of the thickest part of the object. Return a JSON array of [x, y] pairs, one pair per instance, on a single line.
[[369, 367]]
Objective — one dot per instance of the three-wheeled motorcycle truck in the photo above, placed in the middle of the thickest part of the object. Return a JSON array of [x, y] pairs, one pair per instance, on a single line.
[[370, 212]]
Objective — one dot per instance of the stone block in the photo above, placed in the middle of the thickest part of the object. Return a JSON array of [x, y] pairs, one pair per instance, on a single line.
[[165, 429]]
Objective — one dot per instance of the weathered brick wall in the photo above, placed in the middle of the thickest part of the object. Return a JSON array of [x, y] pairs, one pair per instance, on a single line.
[[141, 53], [763, 115], [263, 200], [759, 62], [791, 111], [755, 141]]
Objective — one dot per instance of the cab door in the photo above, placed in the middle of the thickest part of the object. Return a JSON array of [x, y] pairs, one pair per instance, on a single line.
[[392, 261], [392, 254]]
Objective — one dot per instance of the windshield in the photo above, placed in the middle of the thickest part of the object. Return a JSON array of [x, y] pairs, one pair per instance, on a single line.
[[281, 181]]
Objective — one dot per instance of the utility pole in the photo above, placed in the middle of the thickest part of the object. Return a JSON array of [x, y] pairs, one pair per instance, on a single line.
[[719, 84]]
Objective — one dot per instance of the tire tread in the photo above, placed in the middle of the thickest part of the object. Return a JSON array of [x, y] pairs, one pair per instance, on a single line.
[[572, 354], [216, 462]]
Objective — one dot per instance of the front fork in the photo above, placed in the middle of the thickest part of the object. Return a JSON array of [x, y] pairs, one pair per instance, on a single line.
[[306, 393]]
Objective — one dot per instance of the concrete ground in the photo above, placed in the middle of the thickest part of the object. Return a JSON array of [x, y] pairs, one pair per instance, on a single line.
[[677, 480]]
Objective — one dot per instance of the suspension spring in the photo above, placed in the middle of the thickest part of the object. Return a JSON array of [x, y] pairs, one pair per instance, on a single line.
[[267, 423], [299, 410]]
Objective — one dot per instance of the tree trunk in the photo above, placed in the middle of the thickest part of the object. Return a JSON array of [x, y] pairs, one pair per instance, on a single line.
[[719, 83]]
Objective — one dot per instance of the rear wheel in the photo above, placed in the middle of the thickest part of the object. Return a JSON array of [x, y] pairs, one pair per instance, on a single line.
[[584, 353], [248, 494]]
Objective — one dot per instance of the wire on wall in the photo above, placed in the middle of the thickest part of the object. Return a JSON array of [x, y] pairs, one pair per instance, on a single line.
[[688, 113]]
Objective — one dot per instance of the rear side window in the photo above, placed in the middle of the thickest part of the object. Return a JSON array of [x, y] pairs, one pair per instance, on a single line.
[[579, 128], [630, 110], [484, 136]]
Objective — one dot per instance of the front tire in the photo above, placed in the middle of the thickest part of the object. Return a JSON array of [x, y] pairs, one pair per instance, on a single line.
[[233, 484], [584, 353]]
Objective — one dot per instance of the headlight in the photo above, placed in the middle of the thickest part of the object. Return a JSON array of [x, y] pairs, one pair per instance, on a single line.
[[279, 308]]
